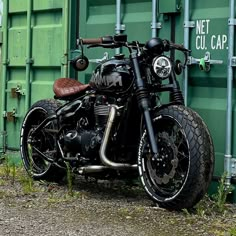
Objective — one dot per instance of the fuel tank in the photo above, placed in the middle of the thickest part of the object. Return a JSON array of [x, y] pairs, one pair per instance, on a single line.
[[112, 76]]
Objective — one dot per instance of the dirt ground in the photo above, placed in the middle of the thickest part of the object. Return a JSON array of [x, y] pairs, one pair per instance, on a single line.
[[99, 208]]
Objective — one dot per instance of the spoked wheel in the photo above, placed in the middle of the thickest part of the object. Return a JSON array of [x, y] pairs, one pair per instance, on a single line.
[[180, 175], [38, 149]]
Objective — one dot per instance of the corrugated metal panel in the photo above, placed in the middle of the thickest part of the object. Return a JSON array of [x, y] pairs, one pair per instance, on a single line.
[[34, 55]]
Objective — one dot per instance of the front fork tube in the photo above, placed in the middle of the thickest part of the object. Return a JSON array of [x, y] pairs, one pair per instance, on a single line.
[[144, 103]]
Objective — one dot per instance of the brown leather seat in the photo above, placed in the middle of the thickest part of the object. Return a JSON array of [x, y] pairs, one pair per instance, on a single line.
[[65, 87]]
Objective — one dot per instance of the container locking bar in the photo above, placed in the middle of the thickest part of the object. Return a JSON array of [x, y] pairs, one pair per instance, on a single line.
[[205, 62]]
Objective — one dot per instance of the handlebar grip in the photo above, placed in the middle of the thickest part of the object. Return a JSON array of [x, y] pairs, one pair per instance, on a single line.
[[101, 40], [91, 41]]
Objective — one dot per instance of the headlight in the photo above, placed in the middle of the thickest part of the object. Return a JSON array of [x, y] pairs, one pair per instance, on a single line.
[[162, 67]]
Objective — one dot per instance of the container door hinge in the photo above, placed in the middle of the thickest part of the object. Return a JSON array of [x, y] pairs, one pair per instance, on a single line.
[[189, 24], [6, 62], [29, 61], [11, 115], [157, 25], [205, 62], [233, 61], [233, 166], [17, 91], [232, 22], [1, 37]]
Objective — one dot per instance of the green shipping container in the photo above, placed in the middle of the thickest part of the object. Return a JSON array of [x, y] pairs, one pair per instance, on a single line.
[[39, 35]]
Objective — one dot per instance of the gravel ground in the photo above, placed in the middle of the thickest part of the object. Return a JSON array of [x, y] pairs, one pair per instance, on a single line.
[[99, 208]]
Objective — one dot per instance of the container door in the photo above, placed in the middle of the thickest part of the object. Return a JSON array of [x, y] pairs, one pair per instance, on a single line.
[[208, 83], [35, 39]]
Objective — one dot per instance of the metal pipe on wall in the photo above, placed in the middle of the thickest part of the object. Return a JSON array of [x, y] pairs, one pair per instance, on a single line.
[[228, 148], [154, 18], [186, 45], [4, 73]]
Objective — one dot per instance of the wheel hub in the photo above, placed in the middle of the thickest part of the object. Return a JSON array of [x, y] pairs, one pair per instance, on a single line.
[[164, 166]]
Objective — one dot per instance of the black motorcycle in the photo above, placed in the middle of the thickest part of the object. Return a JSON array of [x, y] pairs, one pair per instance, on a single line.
[[116, 126]]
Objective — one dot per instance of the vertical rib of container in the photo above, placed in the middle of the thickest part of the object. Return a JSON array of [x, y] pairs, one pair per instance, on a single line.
[[186, 45], [228, 148], [118, 20], [4, 71], [154, 18], [29, 56], [64, 71]]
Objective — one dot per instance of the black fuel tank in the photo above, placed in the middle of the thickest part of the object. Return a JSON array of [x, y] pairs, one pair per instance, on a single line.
[[112, 76]]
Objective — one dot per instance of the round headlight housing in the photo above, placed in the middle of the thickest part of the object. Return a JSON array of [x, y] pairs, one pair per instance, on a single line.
[[162, 67]]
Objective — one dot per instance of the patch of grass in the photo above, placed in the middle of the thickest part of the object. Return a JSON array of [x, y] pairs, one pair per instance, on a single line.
[[131, 213], [232, 231], [8, 170], [27, 184], [217, 203]]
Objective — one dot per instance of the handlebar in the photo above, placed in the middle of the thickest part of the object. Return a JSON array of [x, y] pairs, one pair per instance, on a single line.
[[119, 41]]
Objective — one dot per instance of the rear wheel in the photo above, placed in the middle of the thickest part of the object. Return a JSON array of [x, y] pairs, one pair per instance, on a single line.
[[34, 146], [179, 177]]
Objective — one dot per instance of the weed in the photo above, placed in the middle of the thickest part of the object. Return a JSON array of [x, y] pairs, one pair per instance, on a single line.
[[6, 168], [186, 212], [69, 180], [221, 195], [205, 206], [27, 184], [13, 173]]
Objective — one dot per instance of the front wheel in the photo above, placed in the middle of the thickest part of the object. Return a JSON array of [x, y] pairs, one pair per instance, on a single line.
[[179, 177]]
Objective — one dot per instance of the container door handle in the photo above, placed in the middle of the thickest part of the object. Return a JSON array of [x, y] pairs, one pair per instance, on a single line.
[[205, 62]]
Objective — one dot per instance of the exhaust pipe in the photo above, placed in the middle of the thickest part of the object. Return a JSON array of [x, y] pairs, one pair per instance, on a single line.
[[103, 148], [91, 169]]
